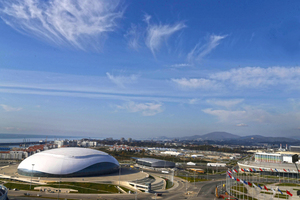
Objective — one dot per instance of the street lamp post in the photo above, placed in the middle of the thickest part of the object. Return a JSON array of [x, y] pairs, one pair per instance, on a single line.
[[58, 189], [31, 175], [186, 183], [206, 172]]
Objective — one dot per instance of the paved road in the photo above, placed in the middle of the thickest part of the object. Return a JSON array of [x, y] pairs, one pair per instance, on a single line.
[[199, 190]]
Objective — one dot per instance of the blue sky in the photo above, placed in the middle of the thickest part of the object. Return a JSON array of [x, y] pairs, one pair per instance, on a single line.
[[149, 68]]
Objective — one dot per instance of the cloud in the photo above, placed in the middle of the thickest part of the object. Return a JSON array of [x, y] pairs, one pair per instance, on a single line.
[[195, 83], [241, 125], [225, 115], [247, 77], [79, 23], [147, 109], [193, 101], [9, 108], [246, 114], [157, 33], [147, 18], [11, 129], [181, 65], [133, 36], [200, 51], [225, 103], [121, 80], [259, 77]]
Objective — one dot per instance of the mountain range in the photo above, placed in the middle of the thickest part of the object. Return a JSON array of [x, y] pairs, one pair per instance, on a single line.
[[229, 138]]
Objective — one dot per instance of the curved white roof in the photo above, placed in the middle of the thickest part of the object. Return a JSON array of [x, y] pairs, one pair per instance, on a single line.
[[65, 160]]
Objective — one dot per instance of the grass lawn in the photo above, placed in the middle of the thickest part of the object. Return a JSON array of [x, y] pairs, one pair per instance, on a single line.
[[240, 188], [240, 196], [287, 184], [281, 196], [169, 184], [191, 179]]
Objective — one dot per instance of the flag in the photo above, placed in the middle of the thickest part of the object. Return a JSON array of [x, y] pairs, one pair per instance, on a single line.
[[274, 192], [260, 169], [237, 179], [272, 170], [284, 170], [266, 188], [250, 169], [245, 182], [229, 172], [276, 170], [247, 170], [241, 181], [235, 171], [249, 184], [289, 170], [242, 170], [254, 169], [298, 170], [289, 193], [254, 185], [279, 191], [259, 186]]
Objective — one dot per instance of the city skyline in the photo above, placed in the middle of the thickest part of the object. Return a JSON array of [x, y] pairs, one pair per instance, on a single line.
[[147, 69]]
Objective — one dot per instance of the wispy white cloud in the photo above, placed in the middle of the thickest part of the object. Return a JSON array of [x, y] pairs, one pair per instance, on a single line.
[[121, 80], [79, 23], [193, 101], [259, 77], [199, 51], [147, 18], [225, 103], [9, 108], [147, 109], [181, 65], [157, 33], [133, 37], [10, 128], [247, 77], [195, 83], [242, 125], [245, 114]]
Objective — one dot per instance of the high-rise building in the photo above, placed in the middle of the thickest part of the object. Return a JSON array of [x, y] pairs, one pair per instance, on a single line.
[[129, 139]]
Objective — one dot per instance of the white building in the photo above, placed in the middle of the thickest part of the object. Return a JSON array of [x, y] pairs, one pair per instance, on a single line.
[[68, 162], [171, 153], [216, 164]]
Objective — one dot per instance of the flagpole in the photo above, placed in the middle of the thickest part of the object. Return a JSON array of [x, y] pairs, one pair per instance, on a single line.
[[243, 187]]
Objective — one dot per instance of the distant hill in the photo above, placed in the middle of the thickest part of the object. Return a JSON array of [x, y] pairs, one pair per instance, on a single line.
[[217, 136], [261, 139]]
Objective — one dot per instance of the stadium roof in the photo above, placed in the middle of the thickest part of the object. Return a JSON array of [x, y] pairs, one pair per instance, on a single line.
[[150, 160]]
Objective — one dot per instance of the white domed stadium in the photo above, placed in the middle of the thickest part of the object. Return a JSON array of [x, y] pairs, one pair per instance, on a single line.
[[68, 162]]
